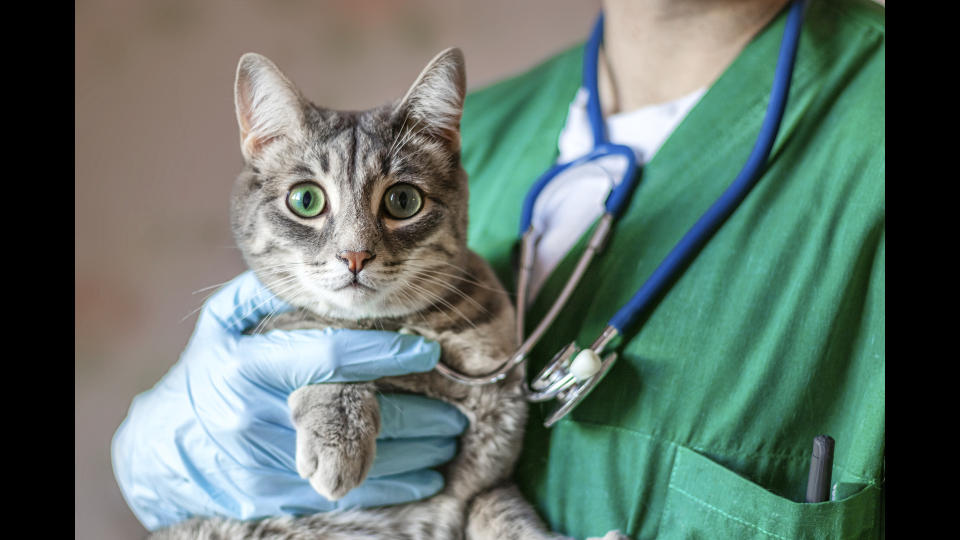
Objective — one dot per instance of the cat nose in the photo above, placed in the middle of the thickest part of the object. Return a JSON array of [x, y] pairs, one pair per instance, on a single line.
[[355, 259]]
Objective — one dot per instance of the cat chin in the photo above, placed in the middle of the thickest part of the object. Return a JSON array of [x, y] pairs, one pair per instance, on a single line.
[[354, 305]]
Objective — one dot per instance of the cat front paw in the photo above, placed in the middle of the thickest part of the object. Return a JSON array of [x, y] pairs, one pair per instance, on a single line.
[[337, 427]]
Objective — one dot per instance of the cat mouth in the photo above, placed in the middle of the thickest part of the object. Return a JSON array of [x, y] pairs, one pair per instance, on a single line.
[[355, 285]]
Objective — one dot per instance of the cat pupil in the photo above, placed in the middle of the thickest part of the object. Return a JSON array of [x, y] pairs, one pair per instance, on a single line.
[[402, 199], [306, 199]]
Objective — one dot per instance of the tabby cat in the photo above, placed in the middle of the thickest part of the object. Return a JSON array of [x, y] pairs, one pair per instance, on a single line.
[[359, 220]]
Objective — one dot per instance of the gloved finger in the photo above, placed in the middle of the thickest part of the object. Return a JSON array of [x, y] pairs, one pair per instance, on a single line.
[[411, 415], [394, 489], [281, 493], [241, 303], [286, 360], [396, 456]]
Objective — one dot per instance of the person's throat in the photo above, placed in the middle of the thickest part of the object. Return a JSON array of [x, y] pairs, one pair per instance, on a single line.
[[655, 51]]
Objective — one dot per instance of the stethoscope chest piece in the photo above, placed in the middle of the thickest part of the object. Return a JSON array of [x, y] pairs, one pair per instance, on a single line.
[[571, 375]]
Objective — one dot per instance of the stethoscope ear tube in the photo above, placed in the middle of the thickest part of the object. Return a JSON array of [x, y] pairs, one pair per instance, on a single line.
[[524, 273], [597, 240]]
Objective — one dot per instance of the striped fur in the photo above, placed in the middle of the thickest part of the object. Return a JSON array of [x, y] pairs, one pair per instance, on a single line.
[[421, 277]]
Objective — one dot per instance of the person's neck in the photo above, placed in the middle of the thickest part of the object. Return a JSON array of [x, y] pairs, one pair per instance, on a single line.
[[656, 51]]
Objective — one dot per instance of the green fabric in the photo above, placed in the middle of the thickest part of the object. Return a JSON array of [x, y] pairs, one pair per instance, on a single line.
[[775, 334]]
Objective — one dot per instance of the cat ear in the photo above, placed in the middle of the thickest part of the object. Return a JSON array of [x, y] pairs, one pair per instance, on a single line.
[[435, 101], [268, 105]]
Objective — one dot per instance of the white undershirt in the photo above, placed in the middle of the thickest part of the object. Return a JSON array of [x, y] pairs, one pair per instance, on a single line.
[[570, 204]]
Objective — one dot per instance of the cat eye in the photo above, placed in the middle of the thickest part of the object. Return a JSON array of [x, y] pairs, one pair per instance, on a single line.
[[402, 201], [306, 200]]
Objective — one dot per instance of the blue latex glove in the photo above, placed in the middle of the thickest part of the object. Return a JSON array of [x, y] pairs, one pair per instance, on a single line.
[[214, 436]]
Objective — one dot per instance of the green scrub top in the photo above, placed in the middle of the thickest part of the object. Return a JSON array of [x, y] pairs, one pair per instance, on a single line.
[[773, 335]]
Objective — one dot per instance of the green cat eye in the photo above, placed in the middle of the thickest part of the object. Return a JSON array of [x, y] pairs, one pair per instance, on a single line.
[[306, 199], [402, 201]]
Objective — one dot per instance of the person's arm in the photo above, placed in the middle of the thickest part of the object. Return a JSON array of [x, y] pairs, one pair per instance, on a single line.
[[214, 437]]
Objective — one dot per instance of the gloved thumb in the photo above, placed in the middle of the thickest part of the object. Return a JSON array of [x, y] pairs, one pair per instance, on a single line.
[[287, 360], [239, 305]]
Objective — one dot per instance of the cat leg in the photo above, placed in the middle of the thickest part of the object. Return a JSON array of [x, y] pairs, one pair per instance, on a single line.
[[438, 518], [503, 514], [337, 427]]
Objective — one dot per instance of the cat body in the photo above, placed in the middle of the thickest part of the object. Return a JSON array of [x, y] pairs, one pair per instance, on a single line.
[[359, 220]]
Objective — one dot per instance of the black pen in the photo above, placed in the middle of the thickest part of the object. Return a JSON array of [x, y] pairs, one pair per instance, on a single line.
[[821, 467]]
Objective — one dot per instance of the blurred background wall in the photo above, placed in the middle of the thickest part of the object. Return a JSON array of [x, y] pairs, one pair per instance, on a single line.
[[157, 151]]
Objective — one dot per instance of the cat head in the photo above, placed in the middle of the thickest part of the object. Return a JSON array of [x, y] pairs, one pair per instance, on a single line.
[[352, 214]]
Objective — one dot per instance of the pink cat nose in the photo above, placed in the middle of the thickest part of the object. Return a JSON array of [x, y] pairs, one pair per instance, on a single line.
[[355, 259]]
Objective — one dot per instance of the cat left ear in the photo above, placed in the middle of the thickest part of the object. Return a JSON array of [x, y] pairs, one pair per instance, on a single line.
[[269, 106], [435, 100]]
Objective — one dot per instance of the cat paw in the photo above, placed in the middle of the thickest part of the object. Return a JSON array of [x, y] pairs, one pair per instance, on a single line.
[[332, 469], [336, 437]]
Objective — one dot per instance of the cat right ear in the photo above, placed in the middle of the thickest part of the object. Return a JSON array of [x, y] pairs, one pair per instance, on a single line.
[[269, 107], [435, 101]]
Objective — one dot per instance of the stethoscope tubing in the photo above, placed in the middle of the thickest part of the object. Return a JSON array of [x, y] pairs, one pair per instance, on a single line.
[[616, 202], [723, 207]]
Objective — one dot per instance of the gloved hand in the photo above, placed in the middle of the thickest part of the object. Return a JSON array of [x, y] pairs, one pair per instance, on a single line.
[[214, 436]]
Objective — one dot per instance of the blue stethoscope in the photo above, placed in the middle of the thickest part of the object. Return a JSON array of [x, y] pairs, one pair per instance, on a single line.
[[574, 372]]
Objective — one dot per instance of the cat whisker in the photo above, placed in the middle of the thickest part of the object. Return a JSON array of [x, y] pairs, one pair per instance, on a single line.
[[404, 139], [208, 287], [409, 137], [459, 268], [399, 133], [408, 303], [290, 284], [428, 294], [431, 279], [192, 313], [213, 290], [461, 277], [206, 297], [419, 296], [264, 321], [290, 287]]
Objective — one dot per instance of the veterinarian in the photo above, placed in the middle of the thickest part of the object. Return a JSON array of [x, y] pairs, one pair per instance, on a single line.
[[774, 334]]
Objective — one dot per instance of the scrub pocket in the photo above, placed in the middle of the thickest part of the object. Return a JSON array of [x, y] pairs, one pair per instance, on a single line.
[[707, 500]]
